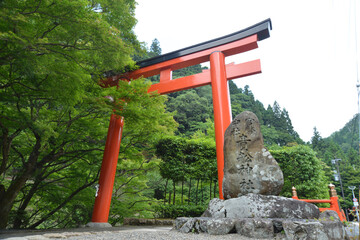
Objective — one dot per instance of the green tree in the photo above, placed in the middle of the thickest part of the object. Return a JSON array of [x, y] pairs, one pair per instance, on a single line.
[[155, 49], [303, 170], [316, 140], [191, 111], [186, 160], [54, 114], [172, 166], [347, 137]]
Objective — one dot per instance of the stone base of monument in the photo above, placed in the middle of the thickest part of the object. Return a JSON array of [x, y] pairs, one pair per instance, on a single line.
[[265, 217], [98, 225]]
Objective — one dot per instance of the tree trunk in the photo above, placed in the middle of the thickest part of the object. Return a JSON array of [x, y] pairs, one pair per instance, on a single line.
[[169, 197], [202, 190], [210, 189], [166, 183], [174, 192], [19, 218], [189, 195], [8, 197], [182, 192], [214, 189], [74, 193], [197, 188]]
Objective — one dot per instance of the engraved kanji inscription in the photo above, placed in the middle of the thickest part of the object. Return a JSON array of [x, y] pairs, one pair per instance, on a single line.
[[250, 126], [245, 169], [244, 157], [246, 185]]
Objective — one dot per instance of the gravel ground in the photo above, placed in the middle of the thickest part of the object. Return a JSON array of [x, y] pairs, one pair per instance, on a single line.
[[126, 233]]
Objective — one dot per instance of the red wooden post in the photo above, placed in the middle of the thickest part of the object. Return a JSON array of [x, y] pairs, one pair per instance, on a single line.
[[222, 112], [108, 170], [334, 201], [294, 193], [334, 205]]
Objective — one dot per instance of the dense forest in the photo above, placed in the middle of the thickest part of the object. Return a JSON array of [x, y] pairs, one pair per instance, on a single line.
[[54, 117]]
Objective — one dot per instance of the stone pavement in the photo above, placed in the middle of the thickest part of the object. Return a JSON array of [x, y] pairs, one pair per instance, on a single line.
[[114, 233], [77, 233], [127, 233]]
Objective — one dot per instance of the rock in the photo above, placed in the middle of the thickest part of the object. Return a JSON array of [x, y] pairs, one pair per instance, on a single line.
[[277, 223], [333, 227], [216, 209], [261, 206], [329, 215], [180, 221], [220, 226], [194, 225], [304, 230], [255, 227], [335, 230], [201, 224], [188, 226], [248, 166], [264, 228], [98, 225]]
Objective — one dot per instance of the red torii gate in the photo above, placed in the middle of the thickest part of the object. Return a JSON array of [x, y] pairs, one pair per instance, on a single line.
[[214, 51]]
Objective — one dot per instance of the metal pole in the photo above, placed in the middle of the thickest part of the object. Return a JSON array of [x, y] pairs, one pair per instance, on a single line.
[[358, 90], [357, 71], [352, 188]]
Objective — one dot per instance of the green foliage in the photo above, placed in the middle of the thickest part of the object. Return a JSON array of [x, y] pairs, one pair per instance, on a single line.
[[187, 71], [184, 160], [155, 49], [191, 111], [275, 123], [181, 158], [303, 170], [129, 195], [54, 115], [340, 145], [348, 137], [174, 211]]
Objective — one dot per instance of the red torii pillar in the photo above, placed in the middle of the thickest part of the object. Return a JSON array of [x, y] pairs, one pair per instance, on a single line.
[[218, 76]]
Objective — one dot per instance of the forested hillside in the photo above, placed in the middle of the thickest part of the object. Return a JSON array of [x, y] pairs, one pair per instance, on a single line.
[[341, 145], [193, 111], [348, 136], [193, 108]]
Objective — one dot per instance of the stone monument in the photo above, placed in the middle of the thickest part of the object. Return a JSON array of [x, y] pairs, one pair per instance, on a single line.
[[248, 166], [251, 185]]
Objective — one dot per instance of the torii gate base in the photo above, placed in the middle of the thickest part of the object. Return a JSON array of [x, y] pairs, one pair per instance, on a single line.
[[214, 51]]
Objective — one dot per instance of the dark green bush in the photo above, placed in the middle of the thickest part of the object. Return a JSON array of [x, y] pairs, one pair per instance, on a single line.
[[174, 211]]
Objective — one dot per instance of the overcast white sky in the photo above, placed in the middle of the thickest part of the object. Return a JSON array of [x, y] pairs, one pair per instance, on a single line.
[[308, 63]]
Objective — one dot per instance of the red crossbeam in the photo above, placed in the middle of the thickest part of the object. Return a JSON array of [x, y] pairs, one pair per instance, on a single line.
[[229, 49], [233, 71], [334, 205]]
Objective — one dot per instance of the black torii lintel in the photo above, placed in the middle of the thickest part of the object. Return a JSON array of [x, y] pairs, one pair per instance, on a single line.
[[262, 29]]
